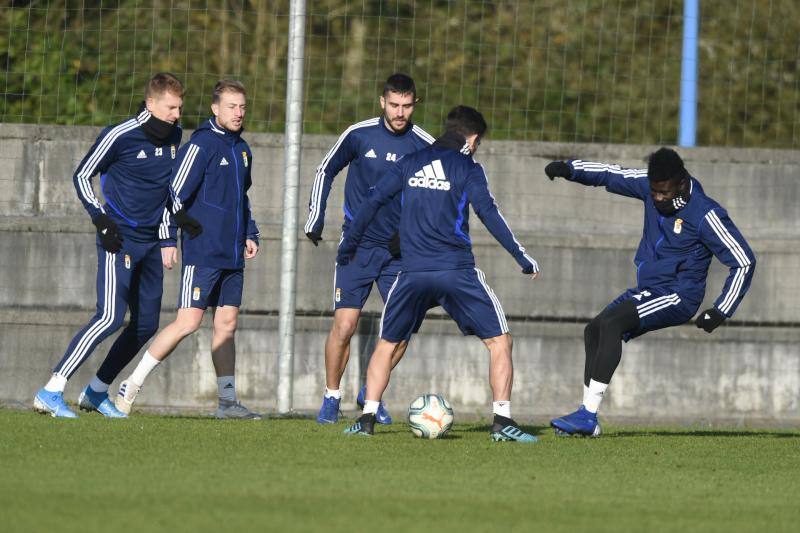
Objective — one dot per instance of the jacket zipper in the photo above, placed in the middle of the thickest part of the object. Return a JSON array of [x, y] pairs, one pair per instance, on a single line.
[[238, 208]]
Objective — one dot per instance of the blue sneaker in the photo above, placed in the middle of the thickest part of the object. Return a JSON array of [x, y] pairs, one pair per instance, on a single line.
[[382, 416], [329, 412], [581, 422], [504, 430], [52, 403], [90, 400], [364, 426]]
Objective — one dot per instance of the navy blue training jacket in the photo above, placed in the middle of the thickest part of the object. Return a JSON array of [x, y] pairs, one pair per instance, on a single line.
[[438, 184], [368, 149], [134, 177], [676, 251], [210, 179]]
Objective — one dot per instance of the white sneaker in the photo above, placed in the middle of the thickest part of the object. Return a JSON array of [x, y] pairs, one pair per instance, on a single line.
[[126, 396]]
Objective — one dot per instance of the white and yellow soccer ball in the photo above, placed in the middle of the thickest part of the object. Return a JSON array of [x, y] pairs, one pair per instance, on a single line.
[[430, 416]]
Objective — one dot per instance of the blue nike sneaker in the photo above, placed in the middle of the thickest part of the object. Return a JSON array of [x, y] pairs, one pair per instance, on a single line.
[[329, 412], [581, 423], [90, 400], [382, 416], [52, 403], [364, 426], [505, 429]]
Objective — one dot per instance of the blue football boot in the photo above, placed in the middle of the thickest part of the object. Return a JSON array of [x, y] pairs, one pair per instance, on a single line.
[[581, 423], [364, 426], [505, 429], [52, 403], [90, 400], [382, 416], [329, 412]]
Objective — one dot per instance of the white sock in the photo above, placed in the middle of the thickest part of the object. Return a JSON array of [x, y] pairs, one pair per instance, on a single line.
[[585, 394], [333, 393], [594, 395], [502, 408], [57, 383], [146, 365], [227, 388], [370, 407], [98, 385]]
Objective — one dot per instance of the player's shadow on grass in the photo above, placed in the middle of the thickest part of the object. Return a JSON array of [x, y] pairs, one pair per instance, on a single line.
[[533, 430], [705, 433]]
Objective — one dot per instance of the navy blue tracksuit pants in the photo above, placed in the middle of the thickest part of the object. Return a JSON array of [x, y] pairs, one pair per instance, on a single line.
[[129, 279]]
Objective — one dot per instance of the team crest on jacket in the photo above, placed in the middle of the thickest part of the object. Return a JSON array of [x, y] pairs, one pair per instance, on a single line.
[[127, 261], [678, 225], [172, 151], [196, 294], [244, 158]]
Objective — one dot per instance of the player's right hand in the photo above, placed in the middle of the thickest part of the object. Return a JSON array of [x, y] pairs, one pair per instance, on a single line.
[[532, 270], [188, 224], [314, 237], [169, 256], [108, 232], [558, 169]]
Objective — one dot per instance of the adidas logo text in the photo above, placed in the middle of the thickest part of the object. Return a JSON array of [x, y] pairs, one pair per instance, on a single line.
[[430, 177]]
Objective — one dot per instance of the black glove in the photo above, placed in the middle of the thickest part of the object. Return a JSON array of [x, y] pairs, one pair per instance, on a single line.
[[108, 232], [394, 246], [343, 258], [345, 253], [188, 224], [314, 237], [558, 169], [710, 319]]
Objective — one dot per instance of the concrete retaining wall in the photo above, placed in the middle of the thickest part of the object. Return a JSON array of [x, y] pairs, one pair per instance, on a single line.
[[583, 238]]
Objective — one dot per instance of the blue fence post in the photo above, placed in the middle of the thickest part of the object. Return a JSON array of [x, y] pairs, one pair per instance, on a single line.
[[688, 125]]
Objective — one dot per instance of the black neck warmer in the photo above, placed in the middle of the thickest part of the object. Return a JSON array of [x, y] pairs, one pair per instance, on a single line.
[[668, 208], [453, 140], [157, 131]]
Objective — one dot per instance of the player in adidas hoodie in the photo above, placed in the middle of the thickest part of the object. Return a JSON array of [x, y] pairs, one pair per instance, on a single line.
[[134, 160], [368, 149], [437, 186], [683, 229], [209, 188]]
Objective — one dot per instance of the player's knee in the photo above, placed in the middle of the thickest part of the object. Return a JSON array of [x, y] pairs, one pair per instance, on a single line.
[[115, 324], [226, 327], [187, 326], [591, 330], [344, 328], [500, 344], [144, 334]]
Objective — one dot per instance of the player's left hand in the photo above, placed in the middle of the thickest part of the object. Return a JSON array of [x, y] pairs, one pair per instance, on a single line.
[[250, 249], [394, 245], [710, 319], [169, 256], [343, 257]]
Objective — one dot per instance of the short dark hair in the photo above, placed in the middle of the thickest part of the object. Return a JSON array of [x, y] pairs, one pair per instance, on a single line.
[[465, 121], [227, 85], [163, 82], [665, 164], [401, 84]]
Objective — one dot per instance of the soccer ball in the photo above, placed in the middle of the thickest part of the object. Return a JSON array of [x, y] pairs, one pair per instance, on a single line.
[[430, 416]]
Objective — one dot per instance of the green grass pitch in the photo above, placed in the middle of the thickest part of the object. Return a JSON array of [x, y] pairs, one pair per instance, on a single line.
[[152, 473]]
